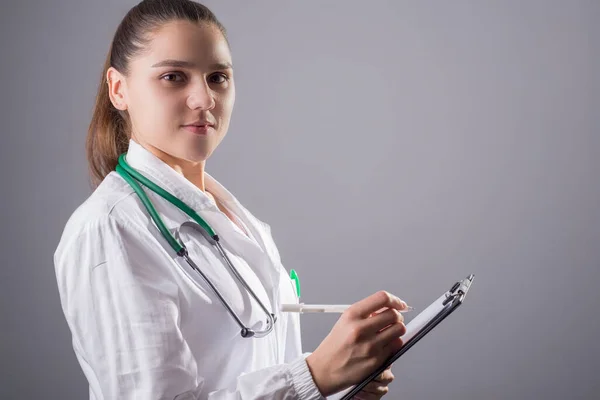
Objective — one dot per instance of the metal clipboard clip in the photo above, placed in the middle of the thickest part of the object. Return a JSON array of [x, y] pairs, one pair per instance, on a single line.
[[459, 289]]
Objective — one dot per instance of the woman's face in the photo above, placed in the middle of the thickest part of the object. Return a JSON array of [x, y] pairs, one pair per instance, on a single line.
[[179, 92]]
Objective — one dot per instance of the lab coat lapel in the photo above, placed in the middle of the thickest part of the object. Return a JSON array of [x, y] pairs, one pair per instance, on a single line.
[[268, 262], [257, 256]]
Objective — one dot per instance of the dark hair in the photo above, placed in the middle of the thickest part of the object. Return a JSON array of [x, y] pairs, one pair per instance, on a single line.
[[110, 128]]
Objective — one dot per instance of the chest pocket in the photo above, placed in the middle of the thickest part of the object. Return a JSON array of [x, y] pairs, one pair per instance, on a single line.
[[215, 317], [288, 293]]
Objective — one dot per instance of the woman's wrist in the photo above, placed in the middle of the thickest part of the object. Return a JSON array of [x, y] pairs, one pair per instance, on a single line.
[[319, 375]]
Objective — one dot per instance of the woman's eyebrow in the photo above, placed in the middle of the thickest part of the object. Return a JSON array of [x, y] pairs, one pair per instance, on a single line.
[[191, 65]]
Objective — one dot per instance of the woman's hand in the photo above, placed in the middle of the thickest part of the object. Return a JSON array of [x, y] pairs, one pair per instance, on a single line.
[[360, 341], [377, 388]]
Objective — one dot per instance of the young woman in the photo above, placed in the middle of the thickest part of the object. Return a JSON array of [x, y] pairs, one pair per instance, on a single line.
[[145, 323]]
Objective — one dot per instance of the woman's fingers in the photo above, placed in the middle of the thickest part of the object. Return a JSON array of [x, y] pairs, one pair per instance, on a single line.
[[383, 319], [386, 377], [393, 346], [377, 388], [390, 334], [375, 302]]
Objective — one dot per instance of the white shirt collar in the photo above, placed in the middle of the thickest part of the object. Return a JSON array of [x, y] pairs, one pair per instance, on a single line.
[[166, 177]]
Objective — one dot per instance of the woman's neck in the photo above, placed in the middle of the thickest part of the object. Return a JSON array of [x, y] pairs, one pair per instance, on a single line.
[[192, 171]]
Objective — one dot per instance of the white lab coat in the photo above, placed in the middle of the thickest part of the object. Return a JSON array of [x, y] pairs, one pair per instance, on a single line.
[[145, 326]]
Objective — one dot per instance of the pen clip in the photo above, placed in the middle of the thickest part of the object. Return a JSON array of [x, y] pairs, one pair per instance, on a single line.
[[294, 277]]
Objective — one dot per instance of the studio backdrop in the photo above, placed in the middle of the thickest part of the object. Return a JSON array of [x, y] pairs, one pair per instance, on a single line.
[[402, 145]]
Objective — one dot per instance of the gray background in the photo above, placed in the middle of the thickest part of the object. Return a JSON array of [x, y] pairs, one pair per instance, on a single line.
[[391, 145]]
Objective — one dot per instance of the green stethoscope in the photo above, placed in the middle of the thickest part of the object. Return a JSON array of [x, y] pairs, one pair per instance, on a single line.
[[132, 177]]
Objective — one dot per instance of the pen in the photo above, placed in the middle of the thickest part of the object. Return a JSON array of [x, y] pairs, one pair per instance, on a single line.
[[323, 308], [317, 308]]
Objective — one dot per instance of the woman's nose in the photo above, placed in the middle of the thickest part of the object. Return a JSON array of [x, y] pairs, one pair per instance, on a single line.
[[201, 97]]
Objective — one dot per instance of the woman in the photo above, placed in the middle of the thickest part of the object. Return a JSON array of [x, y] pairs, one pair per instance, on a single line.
[[144, 324]]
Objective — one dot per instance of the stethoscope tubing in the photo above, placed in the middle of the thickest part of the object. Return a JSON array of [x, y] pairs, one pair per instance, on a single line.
[[132, 177]]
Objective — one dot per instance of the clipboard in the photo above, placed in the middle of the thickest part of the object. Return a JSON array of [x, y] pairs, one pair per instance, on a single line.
[[420, 326]]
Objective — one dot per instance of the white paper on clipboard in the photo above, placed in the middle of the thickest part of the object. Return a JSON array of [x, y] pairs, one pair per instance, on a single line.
[[419, 322]]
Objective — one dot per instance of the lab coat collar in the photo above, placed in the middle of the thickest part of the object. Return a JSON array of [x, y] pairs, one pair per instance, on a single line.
[[166, 177]]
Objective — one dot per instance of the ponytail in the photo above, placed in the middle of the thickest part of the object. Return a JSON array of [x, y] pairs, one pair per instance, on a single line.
[[108, 133]]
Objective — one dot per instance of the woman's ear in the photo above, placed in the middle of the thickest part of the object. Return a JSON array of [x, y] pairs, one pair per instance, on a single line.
[[116, 89]]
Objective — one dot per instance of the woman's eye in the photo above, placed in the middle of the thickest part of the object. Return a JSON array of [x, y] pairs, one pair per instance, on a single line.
[[172, 77], [219, 78]]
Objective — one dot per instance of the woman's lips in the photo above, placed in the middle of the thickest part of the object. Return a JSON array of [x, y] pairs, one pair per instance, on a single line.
[[198, 129]]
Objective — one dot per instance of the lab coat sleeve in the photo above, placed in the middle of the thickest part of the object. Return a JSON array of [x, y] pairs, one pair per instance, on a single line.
[[124, 319], [291, 381], [123, 315]]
